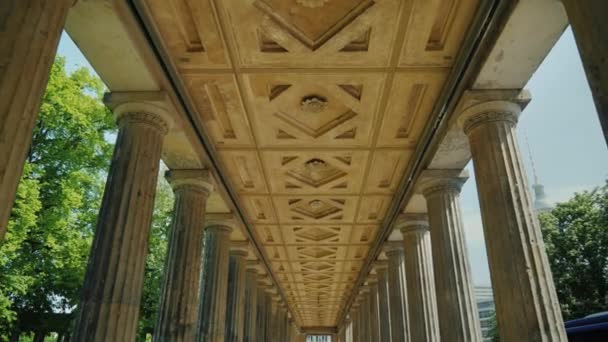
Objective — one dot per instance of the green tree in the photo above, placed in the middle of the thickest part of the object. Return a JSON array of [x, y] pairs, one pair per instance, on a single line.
[[43, 257], [576, 238]]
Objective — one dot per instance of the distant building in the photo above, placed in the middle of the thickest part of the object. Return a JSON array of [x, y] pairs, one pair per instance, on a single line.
[[541, 204], [485, 307]]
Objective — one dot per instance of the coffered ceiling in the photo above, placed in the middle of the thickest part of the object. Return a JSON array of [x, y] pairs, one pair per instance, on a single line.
[[314, 108]]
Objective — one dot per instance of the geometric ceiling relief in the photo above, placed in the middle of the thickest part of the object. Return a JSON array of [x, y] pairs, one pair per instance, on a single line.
[[313, 22], [217, 101], [315, 172], [386, 168], [308, 32], [314, 109], [316, 234], [316, 252], [315, 209], [190, 33], [245, 170], [436, 31], [412, 98], [317, 110], [372, 209]]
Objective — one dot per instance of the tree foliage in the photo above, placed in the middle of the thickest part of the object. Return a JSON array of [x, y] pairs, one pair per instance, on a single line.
[[43, 257], [576, 238]]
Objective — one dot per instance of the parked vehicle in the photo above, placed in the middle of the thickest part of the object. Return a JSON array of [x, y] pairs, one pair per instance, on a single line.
[[592, 328]]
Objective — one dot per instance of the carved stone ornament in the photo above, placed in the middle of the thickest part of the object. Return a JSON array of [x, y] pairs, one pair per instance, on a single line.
[[312, 3], [313, 104]]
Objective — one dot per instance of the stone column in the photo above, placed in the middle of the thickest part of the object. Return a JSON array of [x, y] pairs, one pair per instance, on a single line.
[[397, 293], [251, 305], [270, 310], [363, 317], [109, 306], [457, 308], [527, 308], [284, 323], [374, 312], [588, 21], [260, 332], [422, 304], [383, 301], [179, 296], [235, 309], [214, 283], [29, 34], [356, 323]]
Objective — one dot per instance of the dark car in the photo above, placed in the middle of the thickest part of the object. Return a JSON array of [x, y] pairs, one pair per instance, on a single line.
[[593, 328]]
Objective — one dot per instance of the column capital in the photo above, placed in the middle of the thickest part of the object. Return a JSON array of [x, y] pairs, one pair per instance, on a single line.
[[238, 253], [393, 248], [413, 223], [438, 181], [380, 265], [218, 227], [489, 111], [225, 222], [152, 108], [190, 178]]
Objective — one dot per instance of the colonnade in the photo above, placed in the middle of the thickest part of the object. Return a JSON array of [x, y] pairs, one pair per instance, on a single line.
[[210, 294], [430, 294]]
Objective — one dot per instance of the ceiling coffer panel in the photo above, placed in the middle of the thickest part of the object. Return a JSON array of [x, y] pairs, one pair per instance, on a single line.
[[314, 109]]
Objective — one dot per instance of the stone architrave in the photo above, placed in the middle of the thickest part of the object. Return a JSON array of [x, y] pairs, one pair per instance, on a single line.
[[422, 304], [214, 283], [113, 282], [383, 301], [251, 305], [180, 293], [29, 35], [397, 293], [235, 309], [457, 308], [588, 21], [527, 308]]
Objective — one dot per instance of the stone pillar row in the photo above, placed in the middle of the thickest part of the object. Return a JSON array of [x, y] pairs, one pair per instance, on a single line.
[[208, 294], [435, 294]]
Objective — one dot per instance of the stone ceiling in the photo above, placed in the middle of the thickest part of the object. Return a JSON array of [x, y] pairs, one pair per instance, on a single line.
[[314, 108]]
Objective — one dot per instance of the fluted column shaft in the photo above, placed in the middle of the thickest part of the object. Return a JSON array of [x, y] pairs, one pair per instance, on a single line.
[[179, 296], [29, 35], [527, 308], [422, 304], [111, 294], [251, 305], [457, 308], [356, 325], [397, 293], [374, 312], [270, 309], [383, 303], [260, 331], [364, 318], [214, 284], [235, 309]]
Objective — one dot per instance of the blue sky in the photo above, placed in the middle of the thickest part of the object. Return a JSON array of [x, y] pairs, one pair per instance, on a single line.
[[563, 132]]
